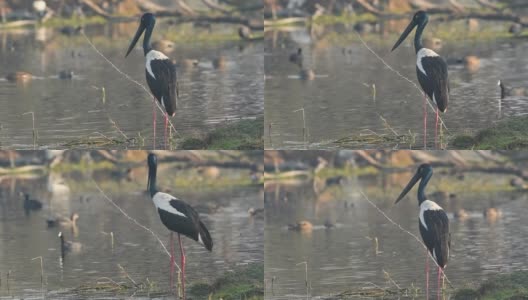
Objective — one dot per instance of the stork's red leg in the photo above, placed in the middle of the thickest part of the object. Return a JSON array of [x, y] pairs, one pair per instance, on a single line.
[[427, 274], [439, 287], [425, 121], [165, 133], [154, 122], [171, 260], [436, 129], [182, 265]]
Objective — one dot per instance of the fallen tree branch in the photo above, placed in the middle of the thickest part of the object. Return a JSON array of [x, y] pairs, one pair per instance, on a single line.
[[369, 7], [215, 6], [96, 9]]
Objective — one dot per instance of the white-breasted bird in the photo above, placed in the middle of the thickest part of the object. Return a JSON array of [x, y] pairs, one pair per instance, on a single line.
[[178, 217]]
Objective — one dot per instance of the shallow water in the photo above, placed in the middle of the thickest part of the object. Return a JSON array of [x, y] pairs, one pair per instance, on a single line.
[[238, 239], [67, 110], [339, 102], [344, 258]]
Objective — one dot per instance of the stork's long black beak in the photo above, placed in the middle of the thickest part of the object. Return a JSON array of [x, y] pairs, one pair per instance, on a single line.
[[139, 32], [148, 181], [405, 33], [409, 186]]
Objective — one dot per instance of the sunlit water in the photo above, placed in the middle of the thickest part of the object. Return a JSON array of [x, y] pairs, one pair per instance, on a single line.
[[339, 102], [67, 110], [344, 258], [238, 239]]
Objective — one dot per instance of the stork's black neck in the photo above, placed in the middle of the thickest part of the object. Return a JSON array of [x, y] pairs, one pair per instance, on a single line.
[[421, 187], [152, 180], [418, 37], [146, 40]]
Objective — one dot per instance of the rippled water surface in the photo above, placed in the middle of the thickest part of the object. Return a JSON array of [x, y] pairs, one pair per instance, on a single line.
[[238, 239], [67, 110], [344, 258], [340, 102]]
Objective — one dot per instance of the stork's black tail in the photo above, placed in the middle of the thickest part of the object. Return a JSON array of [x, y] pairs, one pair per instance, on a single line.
[[205, 237]]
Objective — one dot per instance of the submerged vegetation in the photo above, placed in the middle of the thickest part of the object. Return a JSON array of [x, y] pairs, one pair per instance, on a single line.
[[510, 134]]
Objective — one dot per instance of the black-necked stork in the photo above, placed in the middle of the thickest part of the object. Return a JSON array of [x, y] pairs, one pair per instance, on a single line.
[[178, 217], [160, 72], [433, 222], [431, 69]]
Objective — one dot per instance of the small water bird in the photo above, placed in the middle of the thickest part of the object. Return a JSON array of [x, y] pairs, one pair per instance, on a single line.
[[297, 57], [178, 217], [255, 211], [303, 226], [19, 76], [515, 29], [160, 72], [164, 46], [510, 91], [40, 7], [306, 74], [66, 74], [430, 68], [433, 222], [461, 214], [31, 204], [244, 33], [68, 246], [71, 31], [63, 221], [492, 214]]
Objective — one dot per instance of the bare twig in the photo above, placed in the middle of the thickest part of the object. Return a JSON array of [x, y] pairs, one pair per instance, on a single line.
[[41, 271], [34, 130], [126, 274]]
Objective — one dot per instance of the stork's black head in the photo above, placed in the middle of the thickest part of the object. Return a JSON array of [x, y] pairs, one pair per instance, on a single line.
[[419, 19], [147, 23], [148, 20], [424, 172]]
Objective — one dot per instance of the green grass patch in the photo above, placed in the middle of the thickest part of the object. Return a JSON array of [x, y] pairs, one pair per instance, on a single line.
[[499, 287], [74, 22], [510, 134], [243, 283], [345, 18], [239, 135]]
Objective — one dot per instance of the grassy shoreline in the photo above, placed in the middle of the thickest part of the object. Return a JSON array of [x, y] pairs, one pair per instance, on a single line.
[[509, 134], [239, 135]]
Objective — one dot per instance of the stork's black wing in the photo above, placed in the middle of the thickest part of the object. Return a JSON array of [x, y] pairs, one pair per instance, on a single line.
[[436, 236], [190, 226], [164, 85], [435, 82]]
